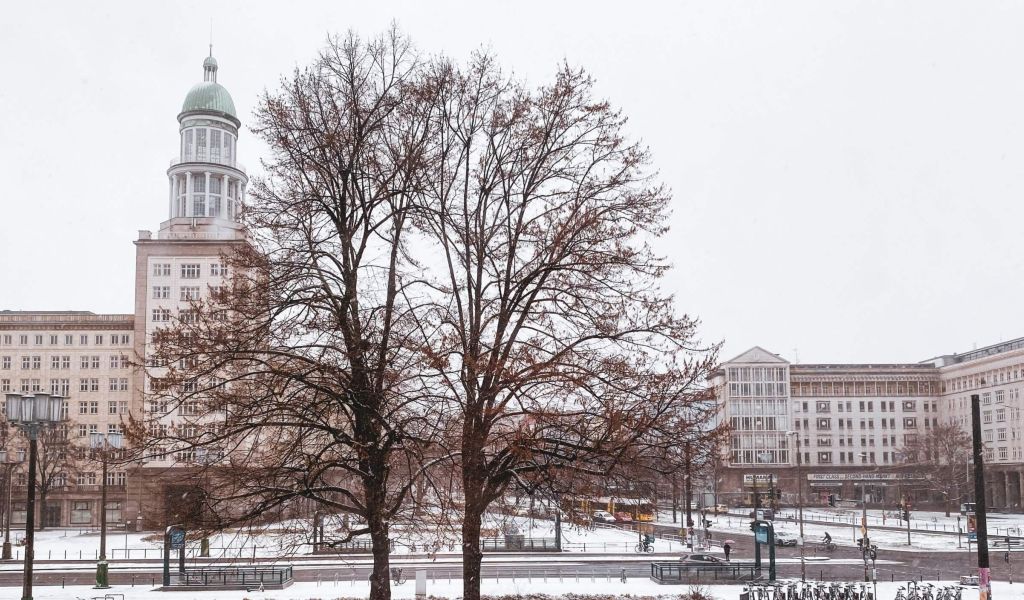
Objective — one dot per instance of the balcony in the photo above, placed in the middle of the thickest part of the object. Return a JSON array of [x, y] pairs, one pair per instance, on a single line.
[[231, 164]]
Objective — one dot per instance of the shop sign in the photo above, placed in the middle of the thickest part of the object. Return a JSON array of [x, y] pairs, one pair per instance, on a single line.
[[765, 478], [861, 476]]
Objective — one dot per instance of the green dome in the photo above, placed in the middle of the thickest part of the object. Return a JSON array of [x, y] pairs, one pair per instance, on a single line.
[[209, 96]]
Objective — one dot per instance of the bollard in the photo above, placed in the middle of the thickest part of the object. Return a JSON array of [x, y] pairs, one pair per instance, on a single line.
[[61, 582], [133, 580]]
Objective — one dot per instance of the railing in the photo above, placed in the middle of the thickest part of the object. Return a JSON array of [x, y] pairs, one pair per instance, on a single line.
[[233, 164], [349, 547], [683, 572], [514, 543], [198, 235], [233, 576]]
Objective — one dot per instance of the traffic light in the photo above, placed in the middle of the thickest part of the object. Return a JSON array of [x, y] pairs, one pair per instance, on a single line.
[[831, 499], [753, 525]]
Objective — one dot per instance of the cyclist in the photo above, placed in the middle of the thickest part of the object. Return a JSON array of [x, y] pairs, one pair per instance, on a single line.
[[827, 539]]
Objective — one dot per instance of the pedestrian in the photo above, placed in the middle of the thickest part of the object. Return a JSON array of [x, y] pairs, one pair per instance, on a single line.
[[727, 549]]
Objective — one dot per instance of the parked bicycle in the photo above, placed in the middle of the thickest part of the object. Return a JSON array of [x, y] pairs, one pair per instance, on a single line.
[[397, 576]]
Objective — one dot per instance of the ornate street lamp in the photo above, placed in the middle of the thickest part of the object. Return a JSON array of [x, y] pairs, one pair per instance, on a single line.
[[8, 462], [31, 414], [104, 444]]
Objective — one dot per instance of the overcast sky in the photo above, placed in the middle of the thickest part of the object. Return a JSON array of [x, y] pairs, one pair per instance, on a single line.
[[847, 176]]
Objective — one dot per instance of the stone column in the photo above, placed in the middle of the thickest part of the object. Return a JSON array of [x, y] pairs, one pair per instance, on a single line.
[[188, 194], [172, 179], [206, 205], [224, 196], [1006, 490]]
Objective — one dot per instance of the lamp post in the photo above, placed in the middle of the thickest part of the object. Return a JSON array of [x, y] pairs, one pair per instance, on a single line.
[[104, 444], [800, 501], [8, 463], [31, 414]]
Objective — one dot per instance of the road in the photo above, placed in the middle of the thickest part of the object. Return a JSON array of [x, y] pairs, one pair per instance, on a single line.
[[844, 564]]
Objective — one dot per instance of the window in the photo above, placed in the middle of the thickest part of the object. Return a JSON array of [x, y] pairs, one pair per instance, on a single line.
[[1002, 454], [80, 511], [986, 416], [823, 407], [218, 270], [161, 269], [99, 340], [1000, 415], [23, 339], [60, 387], [187, 315], [189, 293], [5, 363], [190, 271], [161, 292], [909, 423], [825, 457], [7, 340], [5, 386], [53, 339], [825, 424], [1001, 434], [39, 340], [83, 340], [113, 508]]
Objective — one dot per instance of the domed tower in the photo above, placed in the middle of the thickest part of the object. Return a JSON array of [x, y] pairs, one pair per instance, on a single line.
[[207, 185]]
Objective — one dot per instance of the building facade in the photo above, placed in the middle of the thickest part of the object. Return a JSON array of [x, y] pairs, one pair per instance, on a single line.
[[94, 360], [847, 425]]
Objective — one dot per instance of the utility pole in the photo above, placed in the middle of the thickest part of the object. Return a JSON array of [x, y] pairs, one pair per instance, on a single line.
[[984, 586], [689, 492], [757, 546]]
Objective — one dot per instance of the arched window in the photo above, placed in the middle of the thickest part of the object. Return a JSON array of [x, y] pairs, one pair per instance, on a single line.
[[201, 143], [198, 195], [215, 145], [187, 151], [215, 193]]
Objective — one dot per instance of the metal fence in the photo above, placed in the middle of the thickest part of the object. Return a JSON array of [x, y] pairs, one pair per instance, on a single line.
[[515, 543], [682, 572], [233, 576]]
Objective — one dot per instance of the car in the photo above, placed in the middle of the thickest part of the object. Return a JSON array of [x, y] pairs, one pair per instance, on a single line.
[[701, 558], [784, 539], [603, 516], [623, 517], [721, 508]]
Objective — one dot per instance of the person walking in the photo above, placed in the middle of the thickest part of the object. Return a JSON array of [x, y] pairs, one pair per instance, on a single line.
[[727, 549]]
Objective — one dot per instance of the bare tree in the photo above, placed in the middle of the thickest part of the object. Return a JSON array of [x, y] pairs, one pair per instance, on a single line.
[[54, 464], [299, 381], [560, 354], [942, 455]]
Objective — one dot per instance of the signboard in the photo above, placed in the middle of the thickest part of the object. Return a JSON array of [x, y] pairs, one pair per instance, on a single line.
[[826, 485], [761, 535], [861, 476], [972, 527], [765, 478], [177, 539]]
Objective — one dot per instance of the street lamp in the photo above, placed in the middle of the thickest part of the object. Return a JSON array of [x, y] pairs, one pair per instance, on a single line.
[[31, 414], [800, 500], [104, 444], [8, 464]]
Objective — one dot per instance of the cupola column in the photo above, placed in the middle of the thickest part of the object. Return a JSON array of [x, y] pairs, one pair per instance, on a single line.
[[188, 195], [171, 180], [209, 196]]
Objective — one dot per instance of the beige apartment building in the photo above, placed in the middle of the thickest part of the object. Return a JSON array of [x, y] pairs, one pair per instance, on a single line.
[[852, 421], [88, 359], [91, 359]]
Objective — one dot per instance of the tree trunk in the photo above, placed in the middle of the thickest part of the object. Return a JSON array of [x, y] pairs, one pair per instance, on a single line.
[[472, 556], [380, 583], [42, 507]]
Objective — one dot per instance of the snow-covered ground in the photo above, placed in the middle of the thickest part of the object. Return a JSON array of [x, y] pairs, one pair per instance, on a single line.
[[453, 589]]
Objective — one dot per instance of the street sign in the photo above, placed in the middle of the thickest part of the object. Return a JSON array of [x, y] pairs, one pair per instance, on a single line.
[[177, 539]]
